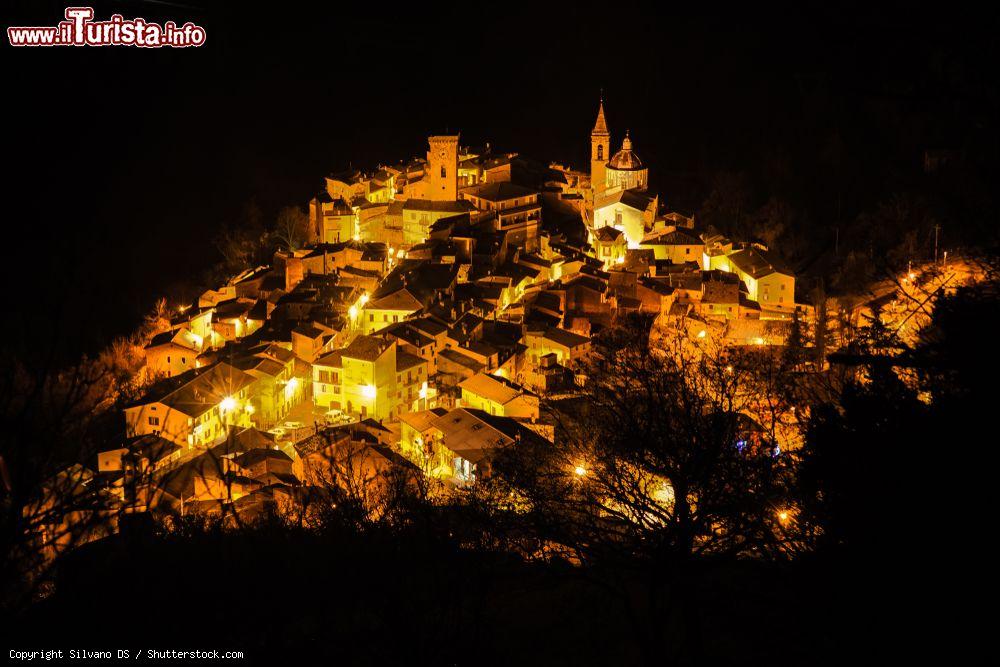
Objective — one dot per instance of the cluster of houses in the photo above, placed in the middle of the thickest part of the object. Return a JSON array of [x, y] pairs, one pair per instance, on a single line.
[[416, 331]]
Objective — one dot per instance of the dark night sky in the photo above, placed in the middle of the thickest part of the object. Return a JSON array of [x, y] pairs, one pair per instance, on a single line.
[[122, 163]]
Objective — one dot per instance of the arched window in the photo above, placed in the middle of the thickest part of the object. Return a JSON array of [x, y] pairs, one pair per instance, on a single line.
[[600, 152]]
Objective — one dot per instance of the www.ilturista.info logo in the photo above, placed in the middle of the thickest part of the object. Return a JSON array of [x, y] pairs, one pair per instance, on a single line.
[[79, 29]]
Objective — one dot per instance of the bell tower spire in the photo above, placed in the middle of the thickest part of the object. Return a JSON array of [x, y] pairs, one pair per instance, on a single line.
[[600, 146]]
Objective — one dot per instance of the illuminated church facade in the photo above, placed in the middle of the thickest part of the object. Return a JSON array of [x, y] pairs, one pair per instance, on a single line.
[[621, 171], [619, 183]]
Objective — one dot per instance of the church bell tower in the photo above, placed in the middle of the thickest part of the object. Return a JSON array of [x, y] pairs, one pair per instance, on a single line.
[[442, 165], [600, 145]]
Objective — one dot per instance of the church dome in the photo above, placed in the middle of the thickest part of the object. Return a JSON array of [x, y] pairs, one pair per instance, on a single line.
[[625, 159]]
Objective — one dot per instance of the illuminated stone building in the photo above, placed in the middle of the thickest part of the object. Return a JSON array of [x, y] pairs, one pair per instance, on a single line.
[[600, 150], [420, 214], [767, 280], [173, 352], [618, 187], [497, 395], [442, 168], [632, 212], [677, 245], [609, 245], [516, 208], [568, 347], [370, 378], [458, 445], [625, 170], [331, 220], [196, 408], [278, 389], [389, 309]]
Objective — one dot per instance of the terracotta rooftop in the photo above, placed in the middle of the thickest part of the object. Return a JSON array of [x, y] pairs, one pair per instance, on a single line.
[[366, 348]]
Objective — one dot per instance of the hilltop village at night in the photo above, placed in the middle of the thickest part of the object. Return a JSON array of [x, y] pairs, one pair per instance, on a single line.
[[417, 324], [498, 335]]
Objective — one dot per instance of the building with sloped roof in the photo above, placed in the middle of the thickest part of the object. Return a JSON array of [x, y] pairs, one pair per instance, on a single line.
[[631, 211], [466, 439], [568, 347], [610, 245], [768, 281], [419, 214], [517, 211], [371, 378], [173, 352], [677, 245], [196, 408], [499, 396], [391, 308]]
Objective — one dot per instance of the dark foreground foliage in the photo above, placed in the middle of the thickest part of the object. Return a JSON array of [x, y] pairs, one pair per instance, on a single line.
[[390, 596]]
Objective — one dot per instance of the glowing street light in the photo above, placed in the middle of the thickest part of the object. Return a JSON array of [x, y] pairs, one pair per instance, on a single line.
[[368, 391], [580, 471], [702, 333], [227, 404]]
